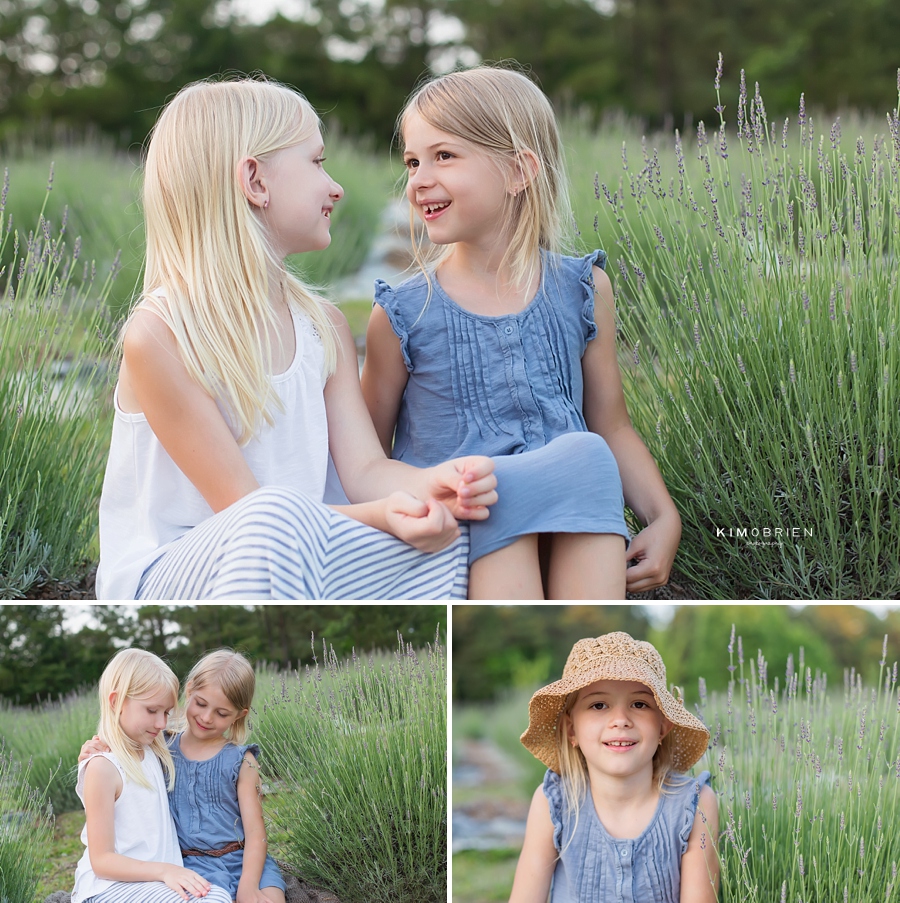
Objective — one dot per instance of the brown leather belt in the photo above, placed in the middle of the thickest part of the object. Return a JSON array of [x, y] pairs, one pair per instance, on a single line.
[[228, 848]]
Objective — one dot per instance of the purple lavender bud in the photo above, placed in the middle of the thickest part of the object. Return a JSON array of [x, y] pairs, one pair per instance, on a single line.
[[50, 178], [784, 133], [719, 72], [624, 157], [792, 372], [634, 354], [881, 464], [4, 193], [854, 366], [801, 119], [731, 641], [597, 185], [836, 133]]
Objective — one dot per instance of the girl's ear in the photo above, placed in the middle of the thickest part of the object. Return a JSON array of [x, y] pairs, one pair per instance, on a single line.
[[570, 732], [252, 182], [113, 696], [665, 728], [525, 170]]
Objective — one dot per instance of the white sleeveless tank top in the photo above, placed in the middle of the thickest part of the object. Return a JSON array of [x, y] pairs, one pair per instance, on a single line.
[[143, 825], [147, 503]]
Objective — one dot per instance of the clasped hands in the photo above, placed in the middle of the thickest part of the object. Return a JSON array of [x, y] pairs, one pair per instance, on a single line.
[[460, 489]]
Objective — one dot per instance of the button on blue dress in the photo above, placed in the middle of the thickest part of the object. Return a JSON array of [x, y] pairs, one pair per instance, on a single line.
[[510, 387]]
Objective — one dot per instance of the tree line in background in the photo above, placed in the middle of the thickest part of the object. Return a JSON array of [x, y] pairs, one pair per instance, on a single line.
[[500, 648], [113, 63], [42, 656]]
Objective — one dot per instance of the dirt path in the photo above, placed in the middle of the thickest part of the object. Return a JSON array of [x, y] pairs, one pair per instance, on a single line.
[[489, 809]]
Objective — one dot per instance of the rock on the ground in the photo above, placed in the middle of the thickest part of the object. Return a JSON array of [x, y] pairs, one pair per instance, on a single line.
[[60, 896], [298, 891]]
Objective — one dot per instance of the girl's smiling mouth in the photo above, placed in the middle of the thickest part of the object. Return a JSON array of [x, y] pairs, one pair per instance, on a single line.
[[430, 210], [619, 744]]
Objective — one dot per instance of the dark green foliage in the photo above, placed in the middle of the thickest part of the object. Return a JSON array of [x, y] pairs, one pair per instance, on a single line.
[[115, 64]]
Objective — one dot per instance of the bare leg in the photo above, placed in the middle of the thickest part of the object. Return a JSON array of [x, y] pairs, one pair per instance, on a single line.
[[587, 566], [275, 894], [512, 572]]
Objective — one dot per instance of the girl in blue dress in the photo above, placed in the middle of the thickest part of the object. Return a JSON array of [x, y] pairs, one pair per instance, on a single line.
[[502, 345], [616, 820], [215, 802]]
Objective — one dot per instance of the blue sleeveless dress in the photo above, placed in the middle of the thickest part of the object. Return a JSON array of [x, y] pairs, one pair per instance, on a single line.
[[205, 808], [595, 867], [510, 387]]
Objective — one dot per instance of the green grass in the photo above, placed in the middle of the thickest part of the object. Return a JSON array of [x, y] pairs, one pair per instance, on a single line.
[[483, 877], [360, 750], [55, 338], [758, 306], [25, 829]]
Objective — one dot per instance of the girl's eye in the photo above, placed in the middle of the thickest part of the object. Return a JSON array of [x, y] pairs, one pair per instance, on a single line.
[[320, 160], [445, 155], [411, 163]]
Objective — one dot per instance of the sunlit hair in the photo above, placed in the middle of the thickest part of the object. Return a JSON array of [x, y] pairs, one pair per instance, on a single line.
[[135, 674], [574, 771], [208, 249], [234, 676], [502, 113]]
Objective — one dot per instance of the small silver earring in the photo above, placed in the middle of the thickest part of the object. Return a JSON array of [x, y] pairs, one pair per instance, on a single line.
[[266, 204]]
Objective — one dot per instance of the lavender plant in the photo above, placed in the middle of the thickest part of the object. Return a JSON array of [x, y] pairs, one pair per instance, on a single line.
[[759, 307], [809, 784], [359, 750], [25, 829], [49, 738], [55, 336]]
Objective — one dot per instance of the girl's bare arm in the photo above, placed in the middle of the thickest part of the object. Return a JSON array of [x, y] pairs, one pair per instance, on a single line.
[[384, 376], [538, 858], [700, 863], [255, 844], [606, 414]]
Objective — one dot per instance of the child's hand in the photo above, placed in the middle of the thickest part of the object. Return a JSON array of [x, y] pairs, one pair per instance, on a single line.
[[654, 551], [250, 894], [94, 745], [466, 485], [184, 881], [428, 526]]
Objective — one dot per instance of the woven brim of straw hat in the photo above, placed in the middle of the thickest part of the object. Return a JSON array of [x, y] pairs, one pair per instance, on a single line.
[[614, 656]]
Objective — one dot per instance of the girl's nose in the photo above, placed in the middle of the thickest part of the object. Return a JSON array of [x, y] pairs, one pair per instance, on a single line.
[[620, 716], [337, 190]]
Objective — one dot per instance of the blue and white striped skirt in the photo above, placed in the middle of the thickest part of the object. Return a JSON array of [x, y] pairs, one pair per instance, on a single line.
[[154, 892], [278, 543]]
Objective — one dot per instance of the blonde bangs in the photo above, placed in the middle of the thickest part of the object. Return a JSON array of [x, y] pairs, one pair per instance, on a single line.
[[207, 251]]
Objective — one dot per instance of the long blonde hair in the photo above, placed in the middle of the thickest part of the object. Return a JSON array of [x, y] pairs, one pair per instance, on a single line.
[[208, 250], [134, 674], [503, 113], [234, 676]]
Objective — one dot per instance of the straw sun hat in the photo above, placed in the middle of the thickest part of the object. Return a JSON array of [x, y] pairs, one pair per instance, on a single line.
[[614, 656]]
